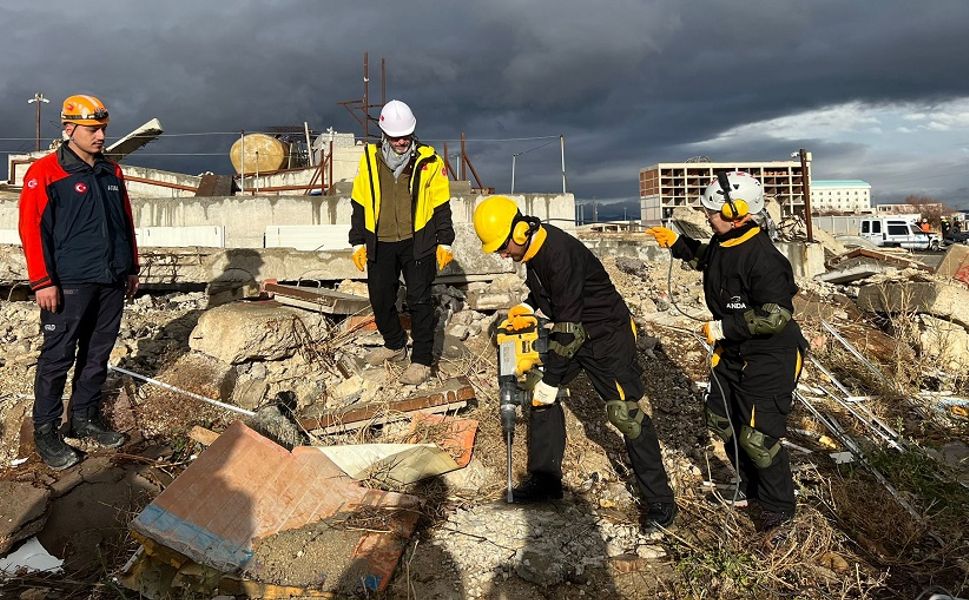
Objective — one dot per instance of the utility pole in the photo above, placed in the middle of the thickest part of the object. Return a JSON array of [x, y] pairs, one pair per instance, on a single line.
[[806, 191], [38, 99], [514, 158]]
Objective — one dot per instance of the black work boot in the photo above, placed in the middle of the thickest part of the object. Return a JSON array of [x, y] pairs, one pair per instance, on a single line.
[[89, 424], [659, 514], [776, 527], [538, 488], [52, 449]]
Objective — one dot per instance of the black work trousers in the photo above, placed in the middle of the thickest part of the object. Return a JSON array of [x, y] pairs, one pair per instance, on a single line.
[[81, 334], [383, 281], [611, 365], [758, 391]]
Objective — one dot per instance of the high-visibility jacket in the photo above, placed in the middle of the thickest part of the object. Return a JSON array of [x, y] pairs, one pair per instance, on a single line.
[[75, 222], [430, 208]]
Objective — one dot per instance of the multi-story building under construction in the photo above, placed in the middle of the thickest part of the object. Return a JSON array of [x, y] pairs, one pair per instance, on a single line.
[[665, 186]]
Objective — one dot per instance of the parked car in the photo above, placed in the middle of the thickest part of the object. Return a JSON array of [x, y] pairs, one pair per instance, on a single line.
[[889, 232]]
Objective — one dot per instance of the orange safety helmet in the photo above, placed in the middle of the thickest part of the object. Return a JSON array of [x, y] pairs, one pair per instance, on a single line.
[[84, 110]]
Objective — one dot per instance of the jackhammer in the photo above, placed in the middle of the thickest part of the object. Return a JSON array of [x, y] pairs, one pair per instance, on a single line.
[[522, 341]]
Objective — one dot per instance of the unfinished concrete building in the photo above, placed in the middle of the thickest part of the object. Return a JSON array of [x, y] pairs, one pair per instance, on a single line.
[[665, 186]]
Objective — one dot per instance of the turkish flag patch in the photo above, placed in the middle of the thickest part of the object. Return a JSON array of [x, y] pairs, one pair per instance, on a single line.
[[32, 183], [80, 187]]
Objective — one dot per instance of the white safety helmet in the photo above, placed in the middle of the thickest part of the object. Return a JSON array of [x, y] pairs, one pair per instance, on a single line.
[[746, 193], [397, 119]]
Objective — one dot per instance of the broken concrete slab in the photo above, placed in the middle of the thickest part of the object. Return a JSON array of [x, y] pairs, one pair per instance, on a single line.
[[955, 263], [862, 263], [244, 489], [23, 512], [245, 331], [449, 397], [945, 342], [318, 299], [942, 300]]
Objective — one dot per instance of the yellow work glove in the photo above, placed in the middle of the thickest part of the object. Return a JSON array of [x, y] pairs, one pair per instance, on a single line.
[[544, 394], [360, 256], [444, 256], [664, 236], [713, 330]]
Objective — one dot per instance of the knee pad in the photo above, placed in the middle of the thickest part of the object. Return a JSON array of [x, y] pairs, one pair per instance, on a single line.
[[759, 447], [719, 425], [626, 416]]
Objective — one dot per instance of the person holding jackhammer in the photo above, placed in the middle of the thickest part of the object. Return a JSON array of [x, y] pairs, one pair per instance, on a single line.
[[757, 345], [82, 259], [592, 331]]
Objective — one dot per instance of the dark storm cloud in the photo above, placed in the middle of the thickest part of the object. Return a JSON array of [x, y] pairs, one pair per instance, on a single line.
[[629, 83]]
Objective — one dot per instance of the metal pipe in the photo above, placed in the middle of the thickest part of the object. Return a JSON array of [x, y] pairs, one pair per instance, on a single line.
[[309, 145], [562, 146], [162, 384], [366, 95], [242, 164]]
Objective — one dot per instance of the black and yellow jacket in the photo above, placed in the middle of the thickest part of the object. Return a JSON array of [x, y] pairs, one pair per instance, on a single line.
[[430, 208], [569, 284], [743, 271]]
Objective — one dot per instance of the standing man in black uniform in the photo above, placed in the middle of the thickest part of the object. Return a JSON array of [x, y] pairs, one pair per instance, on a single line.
[[593, 331], [79, 241], [401, 223], [758, 347]]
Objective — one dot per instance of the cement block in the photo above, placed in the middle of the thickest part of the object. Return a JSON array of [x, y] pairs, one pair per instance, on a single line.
[[949, 302], [246, 331]]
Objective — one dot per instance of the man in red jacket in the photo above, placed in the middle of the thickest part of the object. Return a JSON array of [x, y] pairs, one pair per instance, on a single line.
[[82, 259]]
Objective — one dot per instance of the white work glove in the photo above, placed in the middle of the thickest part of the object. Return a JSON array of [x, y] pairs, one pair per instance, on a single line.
[[544, 394], [713, 330]]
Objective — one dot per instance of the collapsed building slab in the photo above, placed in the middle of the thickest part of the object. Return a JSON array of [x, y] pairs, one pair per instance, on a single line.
[[941, 300], [862, 263]]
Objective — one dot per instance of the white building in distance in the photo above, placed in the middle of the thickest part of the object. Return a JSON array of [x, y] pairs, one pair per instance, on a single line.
[[840, 195]]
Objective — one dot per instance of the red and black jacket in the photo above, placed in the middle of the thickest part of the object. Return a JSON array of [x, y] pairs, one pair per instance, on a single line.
[[75, 222]]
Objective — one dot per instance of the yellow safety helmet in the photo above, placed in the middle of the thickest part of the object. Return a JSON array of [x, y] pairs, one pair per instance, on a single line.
[[493, 220], [84, 110]]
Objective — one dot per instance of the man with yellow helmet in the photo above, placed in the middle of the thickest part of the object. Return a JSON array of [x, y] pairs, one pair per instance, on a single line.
[[79, 240], [592, 332]]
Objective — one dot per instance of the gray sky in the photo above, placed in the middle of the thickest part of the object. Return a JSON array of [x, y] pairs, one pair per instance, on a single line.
[[876, 89]]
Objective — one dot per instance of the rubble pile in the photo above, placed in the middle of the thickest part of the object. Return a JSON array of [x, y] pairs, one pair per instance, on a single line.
[[892, 334]]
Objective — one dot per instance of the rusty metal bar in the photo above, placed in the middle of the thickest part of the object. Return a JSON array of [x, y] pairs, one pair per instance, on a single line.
[[165, 184]]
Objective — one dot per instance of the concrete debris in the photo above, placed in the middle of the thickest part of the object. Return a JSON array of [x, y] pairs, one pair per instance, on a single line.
[[861, 263], [691, 222], [503, 293], [447, 398], [250, 331], [955, 264], [940, 300], [945, 343]]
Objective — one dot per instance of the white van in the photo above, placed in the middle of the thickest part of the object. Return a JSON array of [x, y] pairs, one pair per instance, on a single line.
[[893, 232]]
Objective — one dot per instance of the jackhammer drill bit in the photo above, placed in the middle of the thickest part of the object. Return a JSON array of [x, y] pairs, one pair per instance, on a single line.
[[508, 412]]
